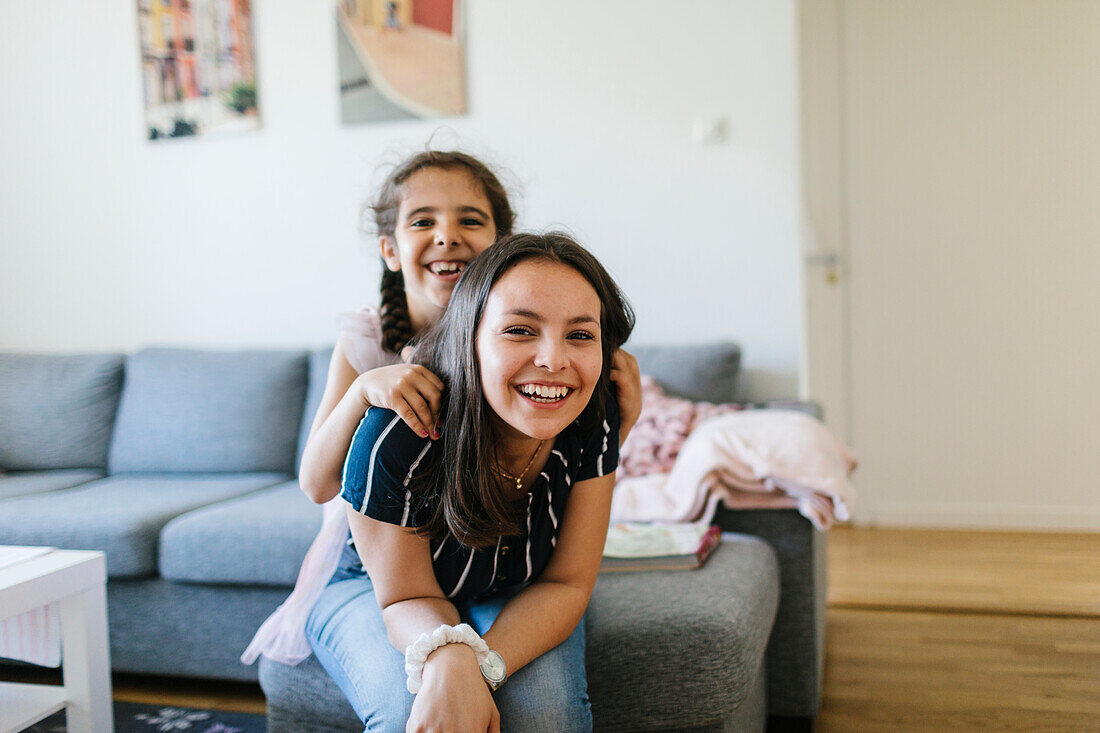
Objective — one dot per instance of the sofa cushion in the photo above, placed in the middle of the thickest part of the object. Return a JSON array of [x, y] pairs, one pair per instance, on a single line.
[[706, 373], [318, 375], [23, 483], [664, 650], [709, 631], [197, 411], [258, 539], [121, 515], [57, 411]]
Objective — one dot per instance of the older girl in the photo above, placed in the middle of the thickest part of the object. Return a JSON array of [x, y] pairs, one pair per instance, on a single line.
[[457, 604]]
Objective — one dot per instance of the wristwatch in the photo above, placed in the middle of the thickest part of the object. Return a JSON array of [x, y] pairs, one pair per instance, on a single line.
[[493, 670]]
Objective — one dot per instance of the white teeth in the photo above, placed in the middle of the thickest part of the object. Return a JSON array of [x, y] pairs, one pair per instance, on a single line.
[[544, 392], [440, 268]]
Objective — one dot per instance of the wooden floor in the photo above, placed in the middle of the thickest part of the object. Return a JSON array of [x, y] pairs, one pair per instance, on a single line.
[[962, 631], [926, 631]]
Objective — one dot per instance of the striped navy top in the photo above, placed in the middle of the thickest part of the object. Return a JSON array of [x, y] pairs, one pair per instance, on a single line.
[[384, 455]]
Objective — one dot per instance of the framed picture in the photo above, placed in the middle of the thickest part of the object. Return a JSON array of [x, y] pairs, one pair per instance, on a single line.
[[198, 68], [400, 59]]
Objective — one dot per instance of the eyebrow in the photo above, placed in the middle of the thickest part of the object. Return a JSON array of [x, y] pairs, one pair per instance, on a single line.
[[433, 209], [535, 316]]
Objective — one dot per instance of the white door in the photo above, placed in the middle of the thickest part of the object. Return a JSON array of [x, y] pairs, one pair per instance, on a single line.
[[952, 166]]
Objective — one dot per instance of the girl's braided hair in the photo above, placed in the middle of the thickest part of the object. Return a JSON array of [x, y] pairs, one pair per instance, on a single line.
[[397, 328]]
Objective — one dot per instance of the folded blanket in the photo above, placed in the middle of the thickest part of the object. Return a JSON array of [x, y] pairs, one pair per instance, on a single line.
[[748, 459]]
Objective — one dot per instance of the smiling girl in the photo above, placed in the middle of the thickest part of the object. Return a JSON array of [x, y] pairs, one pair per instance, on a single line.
[[475, 554]]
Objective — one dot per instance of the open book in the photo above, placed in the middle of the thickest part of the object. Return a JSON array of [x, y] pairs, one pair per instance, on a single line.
[[649, 546]]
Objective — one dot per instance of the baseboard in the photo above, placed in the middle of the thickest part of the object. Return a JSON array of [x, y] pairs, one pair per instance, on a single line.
[[980, 516]]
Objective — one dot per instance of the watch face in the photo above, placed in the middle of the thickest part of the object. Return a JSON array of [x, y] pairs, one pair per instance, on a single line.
[[493, 667]]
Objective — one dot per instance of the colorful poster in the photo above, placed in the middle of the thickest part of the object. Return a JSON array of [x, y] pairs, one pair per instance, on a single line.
[[197, 67], [400, 59]]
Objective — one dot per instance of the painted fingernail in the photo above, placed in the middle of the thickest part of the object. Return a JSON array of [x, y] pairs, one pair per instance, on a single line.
[[435, 434], [423, 433]]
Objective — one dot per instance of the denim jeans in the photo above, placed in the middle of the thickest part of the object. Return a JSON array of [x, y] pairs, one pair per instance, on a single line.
[[349, 638]]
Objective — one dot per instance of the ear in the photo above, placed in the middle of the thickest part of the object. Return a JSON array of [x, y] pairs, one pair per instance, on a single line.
[[390, 255]]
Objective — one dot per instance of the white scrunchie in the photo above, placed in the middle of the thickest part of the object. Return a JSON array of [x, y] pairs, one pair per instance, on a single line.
[[417, 653]]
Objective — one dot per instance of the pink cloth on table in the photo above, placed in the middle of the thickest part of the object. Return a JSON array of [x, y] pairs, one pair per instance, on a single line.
[[749, 459], [282, 636], [34, 637]]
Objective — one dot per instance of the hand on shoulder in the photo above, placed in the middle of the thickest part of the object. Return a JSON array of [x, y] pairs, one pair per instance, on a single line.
[[410, 390], [628, 387]]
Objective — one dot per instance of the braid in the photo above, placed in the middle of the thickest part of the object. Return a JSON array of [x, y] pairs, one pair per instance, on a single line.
[[397, 329]]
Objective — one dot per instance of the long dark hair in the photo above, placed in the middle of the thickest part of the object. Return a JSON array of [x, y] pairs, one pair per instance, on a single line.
[[397, 329], [458, 471]]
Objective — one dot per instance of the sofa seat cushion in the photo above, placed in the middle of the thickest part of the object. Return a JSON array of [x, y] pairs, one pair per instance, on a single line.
[[681, 649], [665, 650], [57, 411], [121, 515], [24, 483], [258, 539], [185, 410]]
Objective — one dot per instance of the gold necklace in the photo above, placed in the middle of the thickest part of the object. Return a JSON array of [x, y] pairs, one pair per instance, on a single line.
[[519, 479]]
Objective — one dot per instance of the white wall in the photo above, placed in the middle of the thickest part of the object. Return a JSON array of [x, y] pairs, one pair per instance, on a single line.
[[111, 242]]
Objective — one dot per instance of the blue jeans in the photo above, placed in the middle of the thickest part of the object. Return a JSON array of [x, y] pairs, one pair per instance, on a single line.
[[349, 638]]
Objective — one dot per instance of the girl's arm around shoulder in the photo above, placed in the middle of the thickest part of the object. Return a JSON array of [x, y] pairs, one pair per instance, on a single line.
[[411, 390], [339, 412], [628, 390]]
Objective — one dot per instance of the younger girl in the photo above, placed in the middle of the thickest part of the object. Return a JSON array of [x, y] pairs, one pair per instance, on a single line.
[[477, 553], [435, 212]]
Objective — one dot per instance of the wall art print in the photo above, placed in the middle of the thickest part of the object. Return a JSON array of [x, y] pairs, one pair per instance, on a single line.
[[400, 59], [198, 68]]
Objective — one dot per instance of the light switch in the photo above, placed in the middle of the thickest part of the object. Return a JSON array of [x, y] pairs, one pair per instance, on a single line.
[[709, 130]]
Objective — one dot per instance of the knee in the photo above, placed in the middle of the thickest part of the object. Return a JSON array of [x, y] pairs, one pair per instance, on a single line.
[[546, 696], [391, 715], [545, 714]]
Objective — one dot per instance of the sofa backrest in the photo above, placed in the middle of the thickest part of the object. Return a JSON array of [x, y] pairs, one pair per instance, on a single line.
[[708, 372], [318, 375], [57, 411], [195, 411]]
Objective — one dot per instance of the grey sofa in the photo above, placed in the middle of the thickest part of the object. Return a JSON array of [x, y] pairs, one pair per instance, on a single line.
[[180, 464]]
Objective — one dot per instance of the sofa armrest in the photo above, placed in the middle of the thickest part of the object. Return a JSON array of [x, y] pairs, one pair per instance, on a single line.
[[796, 650], [813, 409]]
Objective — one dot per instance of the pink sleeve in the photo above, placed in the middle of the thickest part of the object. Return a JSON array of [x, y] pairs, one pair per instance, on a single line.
[[361, 337]]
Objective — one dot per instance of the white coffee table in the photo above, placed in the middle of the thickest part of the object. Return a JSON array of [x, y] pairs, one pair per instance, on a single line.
[[77, 580]]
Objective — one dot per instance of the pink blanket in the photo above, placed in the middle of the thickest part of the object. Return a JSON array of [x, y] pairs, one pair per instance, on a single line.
[[751, 459], [662, 427]]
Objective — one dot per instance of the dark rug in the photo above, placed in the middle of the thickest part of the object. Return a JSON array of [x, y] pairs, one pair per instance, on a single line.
[[138, 718]]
